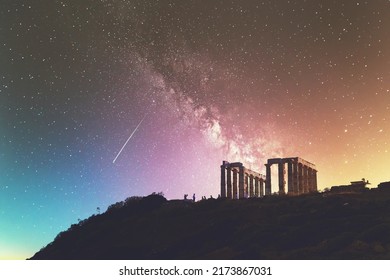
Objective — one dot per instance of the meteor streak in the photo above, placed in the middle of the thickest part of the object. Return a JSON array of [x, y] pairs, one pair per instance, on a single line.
[[128, 139]]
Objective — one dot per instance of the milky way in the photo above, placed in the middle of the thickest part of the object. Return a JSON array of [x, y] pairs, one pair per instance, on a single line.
[[217, 80]]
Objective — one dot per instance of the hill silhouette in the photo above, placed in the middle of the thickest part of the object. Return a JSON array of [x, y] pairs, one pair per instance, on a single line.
[[315, 226]]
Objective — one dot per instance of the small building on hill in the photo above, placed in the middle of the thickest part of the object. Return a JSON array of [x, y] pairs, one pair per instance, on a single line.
[[355, 186]]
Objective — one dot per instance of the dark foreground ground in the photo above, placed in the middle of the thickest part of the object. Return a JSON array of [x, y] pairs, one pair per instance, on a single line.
[[317, 226]]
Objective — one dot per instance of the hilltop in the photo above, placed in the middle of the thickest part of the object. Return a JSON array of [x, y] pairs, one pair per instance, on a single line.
[[316, 226]]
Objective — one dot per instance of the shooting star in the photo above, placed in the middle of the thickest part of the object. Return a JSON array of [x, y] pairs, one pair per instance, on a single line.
[[128, 139]]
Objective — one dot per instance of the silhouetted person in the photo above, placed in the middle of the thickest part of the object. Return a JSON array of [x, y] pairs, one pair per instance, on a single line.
[[185, 196], [193, 198]]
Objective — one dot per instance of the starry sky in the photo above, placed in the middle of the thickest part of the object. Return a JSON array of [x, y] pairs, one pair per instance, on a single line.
[[212, 80]]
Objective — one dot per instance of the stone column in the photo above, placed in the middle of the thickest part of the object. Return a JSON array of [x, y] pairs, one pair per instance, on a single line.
[[290, 179], [268, 179], [251, 191], [235, 184], [257, 187], [305, 179], [295, 178], [308, 179], [223, 182], [246, 186], [241, 180], [300, 178], [261, 187], [229, 182], [311, 180], [315, 188], [282, 172]]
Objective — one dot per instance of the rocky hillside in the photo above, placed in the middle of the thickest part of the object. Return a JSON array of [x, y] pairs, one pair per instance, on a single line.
[[316, 226]]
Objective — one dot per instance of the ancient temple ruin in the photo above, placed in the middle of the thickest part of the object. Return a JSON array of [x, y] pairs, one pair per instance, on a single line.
[[240, 182], [244, 177]]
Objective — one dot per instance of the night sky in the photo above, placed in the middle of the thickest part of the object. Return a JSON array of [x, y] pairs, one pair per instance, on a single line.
[[211, 80]]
